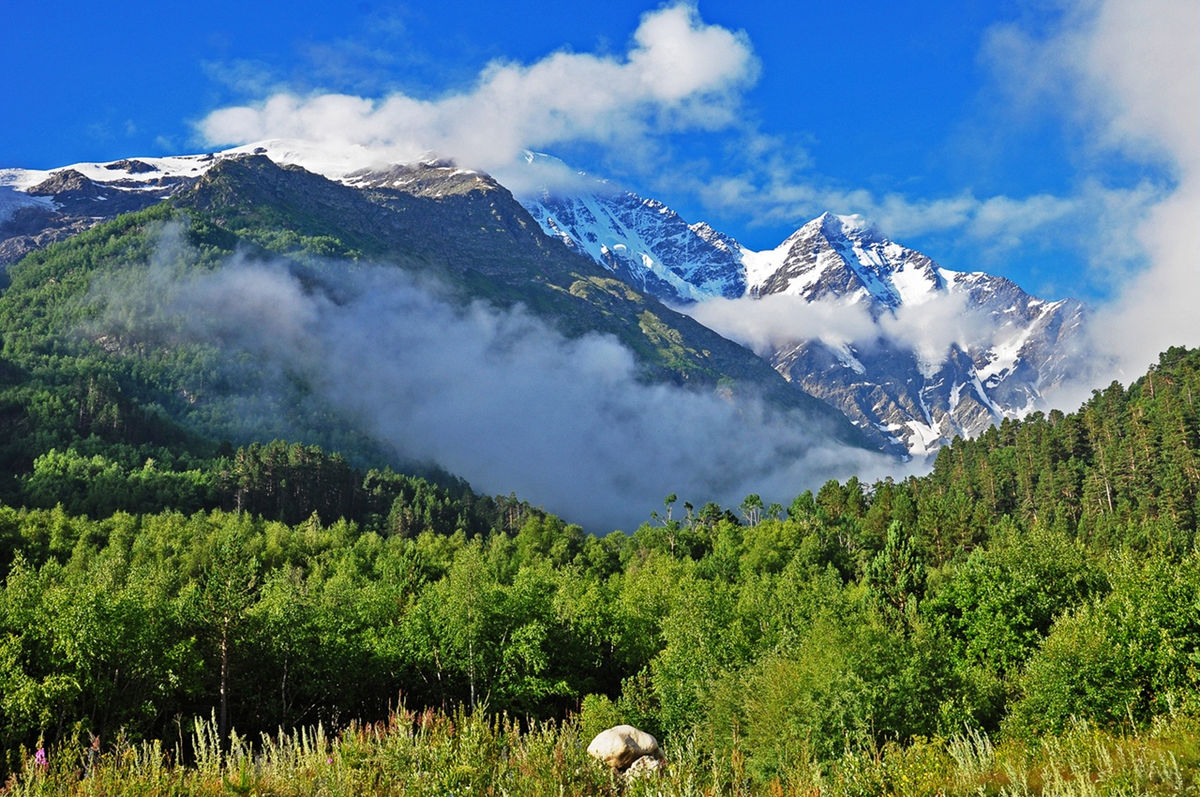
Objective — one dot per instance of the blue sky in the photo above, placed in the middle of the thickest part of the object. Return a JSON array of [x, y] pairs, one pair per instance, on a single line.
[[1013, 137]]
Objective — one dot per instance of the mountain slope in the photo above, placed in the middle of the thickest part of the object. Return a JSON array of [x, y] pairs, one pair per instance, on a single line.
[[39, 207], [457, 225], [932, 377], [926, 353], [468, 231], [111, 301]]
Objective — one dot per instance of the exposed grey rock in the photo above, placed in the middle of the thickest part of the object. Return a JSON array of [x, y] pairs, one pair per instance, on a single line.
[[886, 388], [131, 166], [644, 766], [902, 403], [66, 181], [79, 202]]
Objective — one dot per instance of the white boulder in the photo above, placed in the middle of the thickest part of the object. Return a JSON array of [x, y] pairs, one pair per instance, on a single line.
[[621, 745]]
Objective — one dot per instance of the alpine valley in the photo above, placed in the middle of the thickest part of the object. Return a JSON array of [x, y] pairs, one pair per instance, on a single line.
[[213, 368], [413, 316], [833, 323]]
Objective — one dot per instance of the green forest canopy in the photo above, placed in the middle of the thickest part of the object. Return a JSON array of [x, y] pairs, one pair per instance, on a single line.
[[1044, 571]]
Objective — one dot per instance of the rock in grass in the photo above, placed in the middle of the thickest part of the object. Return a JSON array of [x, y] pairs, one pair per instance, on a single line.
[[622, 745], [646, 765]]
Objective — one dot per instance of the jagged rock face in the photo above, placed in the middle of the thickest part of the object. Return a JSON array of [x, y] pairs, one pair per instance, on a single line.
[[131, 166], [892, 396], [834, 257], [34, 228], [66, 181], [887, 388], [645, 243], [900, 397], [40, 208], [432, 180]]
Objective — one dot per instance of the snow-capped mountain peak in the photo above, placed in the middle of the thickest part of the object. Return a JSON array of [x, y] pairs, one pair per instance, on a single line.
[[906, 386], [642, 241], [999, 349], [844, 257], [843, 225]]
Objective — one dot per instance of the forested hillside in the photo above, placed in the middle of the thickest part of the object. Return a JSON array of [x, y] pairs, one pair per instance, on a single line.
[[116, 350], [166, 555], [1043, 575]]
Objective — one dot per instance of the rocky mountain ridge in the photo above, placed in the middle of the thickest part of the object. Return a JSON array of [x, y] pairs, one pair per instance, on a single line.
[[902, 394], [897, 380], [459, 228]]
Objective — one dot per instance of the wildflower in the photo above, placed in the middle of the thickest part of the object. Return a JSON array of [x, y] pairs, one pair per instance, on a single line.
[[329, 760], [39, 759]]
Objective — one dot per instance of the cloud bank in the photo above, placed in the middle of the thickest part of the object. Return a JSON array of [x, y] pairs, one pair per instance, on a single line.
[[769, 323], [495, 396], [1128, 76], [679, 74]]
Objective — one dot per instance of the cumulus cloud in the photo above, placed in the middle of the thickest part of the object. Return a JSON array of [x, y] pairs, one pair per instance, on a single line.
[[774, 322], [1128, 74], [679, 74], [495, 396]]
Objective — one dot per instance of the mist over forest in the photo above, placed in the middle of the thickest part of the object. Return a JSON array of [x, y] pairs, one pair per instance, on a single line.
[[373, 448]]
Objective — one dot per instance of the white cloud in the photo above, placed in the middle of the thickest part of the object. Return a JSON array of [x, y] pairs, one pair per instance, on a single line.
[[1150, 53], [677, 56], [932, 327], [767, 324], [774, 322], [1145, 57], [493, 395], [679, 74], [1127, 74]]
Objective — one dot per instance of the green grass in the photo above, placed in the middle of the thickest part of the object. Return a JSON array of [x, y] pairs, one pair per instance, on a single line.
[[431, 753]]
